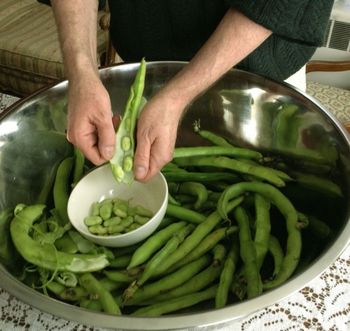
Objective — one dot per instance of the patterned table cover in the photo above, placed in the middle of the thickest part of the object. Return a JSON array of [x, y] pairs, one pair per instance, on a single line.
[[322, 305]]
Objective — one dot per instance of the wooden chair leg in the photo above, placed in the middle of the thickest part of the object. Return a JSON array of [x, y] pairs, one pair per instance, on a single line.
[[110, 55], [347, 126]]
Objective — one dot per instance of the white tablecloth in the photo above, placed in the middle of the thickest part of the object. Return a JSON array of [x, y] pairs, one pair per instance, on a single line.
[[323, 305]]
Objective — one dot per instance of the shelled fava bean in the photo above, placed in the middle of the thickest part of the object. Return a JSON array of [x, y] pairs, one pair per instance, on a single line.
[[116, 216]]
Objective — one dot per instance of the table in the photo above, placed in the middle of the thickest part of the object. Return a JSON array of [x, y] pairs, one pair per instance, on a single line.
[[324, 304]]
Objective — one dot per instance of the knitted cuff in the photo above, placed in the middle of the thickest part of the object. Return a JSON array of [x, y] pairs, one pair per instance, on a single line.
[[277, 58], [304, 21]]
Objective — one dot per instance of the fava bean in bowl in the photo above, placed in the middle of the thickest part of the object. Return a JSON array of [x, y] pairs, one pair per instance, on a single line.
[[116, 214]]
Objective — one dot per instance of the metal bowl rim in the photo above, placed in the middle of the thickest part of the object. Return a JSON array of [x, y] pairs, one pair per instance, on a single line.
[[202, 319]]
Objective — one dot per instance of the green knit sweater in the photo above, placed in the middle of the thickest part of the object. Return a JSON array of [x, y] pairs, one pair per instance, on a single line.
[[176, 29]]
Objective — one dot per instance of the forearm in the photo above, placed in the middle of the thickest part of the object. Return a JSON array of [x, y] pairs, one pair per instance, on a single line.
[[76, 22], [235, 37]]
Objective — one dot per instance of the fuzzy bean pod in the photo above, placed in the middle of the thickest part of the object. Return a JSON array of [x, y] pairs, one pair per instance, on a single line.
[[248, 254], [157, 260], [262, 227], [46, 255], [93, 286], [294, 242], [170, 281], [226, 275], [260, 172], [153, 243], [176, 304], [200, 232]]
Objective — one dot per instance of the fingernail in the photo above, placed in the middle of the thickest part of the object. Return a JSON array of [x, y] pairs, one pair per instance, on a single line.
[[67, 136], [108, 152], [140, 172]]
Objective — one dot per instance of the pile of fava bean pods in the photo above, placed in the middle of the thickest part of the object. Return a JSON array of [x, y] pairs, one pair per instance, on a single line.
[[229, 234]]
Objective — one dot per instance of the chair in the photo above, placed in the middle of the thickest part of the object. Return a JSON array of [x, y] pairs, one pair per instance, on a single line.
[[30, 55], [336, 99], [111, 56]]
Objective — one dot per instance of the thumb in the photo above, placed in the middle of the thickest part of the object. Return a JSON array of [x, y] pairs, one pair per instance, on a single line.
[[106, 139]]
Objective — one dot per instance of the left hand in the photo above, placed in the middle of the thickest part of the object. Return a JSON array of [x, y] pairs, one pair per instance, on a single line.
[[156, 135]]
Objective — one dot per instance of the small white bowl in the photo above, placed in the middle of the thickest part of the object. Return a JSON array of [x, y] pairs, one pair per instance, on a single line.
[[98, 185]]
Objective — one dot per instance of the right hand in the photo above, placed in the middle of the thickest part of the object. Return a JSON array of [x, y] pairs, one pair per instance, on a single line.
[[90, 118]]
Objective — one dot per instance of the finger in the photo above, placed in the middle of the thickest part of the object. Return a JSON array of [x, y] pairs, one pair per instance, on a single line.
[[89, 147], [86, 141], [159, 156], [93, 154], [106, 138], [142, 155]]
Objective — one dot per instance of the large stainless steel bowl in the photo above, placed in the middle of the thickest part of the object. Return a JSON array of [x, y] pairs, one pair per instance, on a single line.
[[242, 107]]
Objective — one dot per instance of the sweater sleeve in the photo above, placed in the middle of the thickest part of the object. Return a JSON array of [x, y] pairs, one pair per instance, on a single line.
[[302, 20], [101, 3]]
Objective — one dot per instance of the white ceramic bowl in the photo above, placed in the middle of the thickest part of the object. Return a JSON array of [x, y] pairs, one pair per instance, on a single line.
[[99, 184]]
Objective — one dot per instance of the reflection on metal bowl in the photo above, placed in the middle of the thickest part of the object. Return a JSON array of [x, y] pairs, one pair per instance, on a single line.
[[246, 109]]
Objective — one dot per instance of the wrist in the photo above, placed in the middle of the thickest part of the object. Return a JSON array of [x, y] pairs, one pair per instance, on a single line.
[[177, 97], [173, 102], [80, 66]]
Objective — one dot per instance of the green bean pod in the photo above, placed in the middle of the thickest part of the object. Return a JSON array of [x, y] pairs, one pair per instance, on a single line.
[[178, 237], [208, 243], [120, 261], [198, 190], [73, 294], [8, 255], [260, 172], [169, 281], [122, 161], [317, 183], [110, 285], [226, 275], [211, 136], [157, 259], [276, 251], [94, 305], [61, 188], [262, 227], [184, 214], [202, 177], [283, 175], [283, 119], [319, 228], [176, 303], [248, 254], [200, 232], [180, 152], [66, 244], [78, 171], [153, 243], [46, 255], [219, 254], [55, 288], [94, 287], [120, 276], [294, 242], [196, 283]]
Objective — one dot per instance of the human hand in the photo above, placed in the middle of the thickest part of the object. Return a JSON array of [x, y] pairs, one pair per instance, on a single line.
[[90, 126], [156, 135]]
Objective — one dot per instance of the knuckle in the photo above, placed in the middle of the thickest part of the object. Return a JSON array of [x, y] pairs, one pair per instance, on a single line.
[[167, 157]]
